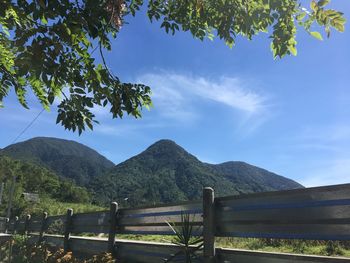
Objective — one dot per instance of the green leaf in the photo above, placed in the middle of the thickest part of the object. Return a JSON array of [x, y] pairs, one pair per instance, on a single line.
[[313, 5], [79, 91], [301, 16], [293, 50], [339, 26], [317, 35], [44, 20], [323, 3]]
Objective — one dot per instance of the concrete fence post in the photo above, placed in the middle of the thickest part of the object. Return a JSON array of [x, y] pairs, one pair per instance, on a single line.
[[15, 225], [43, 227], [7, 224], [112, 227], [26, 224], [67, 229], [208, 225]]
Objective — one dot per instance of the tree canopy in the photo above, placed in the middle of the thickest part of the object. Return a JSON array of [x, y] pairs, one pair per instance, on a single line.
[[48, 46]]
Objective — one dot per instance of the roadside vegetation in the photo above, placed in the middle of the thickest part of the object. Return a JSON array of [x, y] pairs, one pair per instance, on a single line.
[[307, 247], [23, 251], [56, 194]]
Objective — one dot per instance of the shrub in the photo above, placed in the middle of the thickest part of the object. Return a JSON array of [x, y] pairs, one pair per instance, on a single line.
[[25, 252]]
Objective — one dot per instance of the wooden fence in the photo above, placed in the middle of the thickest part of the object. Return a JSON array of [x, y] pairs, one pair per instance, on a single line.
[[321, 213]]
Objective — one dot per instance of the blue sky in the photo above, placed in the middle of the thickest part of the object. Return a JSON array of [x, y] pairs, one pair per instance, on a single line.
[[289, 116]]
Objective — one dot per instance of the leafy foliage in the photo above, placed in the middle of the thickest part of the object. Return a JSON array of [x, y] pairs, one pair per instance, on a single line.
[[48, 46], [166, 173], [35, 179], [185, 238], [26, 252]]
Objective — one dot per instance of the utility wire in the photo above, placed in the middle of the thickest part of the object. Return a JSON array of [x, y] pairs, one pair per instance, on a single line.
[[28, 126], [37, 116]]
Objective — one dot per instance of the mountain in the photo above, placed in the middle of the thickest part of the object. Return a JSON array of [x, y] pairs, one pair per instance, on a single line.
[[33, 178], [250, 178], [66, 158], [165, 173]]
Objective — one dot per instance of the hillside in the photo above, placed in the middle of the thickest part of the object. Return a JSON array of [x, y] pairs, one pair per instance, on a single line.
[[165, 172], [250, 178], [66, 158], [33, 178]]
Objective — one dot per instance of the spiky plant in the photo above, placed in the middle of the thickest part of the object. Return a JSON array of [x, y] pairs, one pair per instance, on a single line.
[[185, 238]]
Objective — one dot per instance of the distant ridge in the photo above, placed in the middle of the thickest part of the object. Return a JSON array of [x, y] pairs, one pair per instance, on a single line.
[[66, 158], [165, 172]]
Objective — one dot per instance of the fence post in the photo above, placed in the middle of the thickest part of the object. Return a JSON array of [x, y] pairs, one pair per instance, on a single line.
[[26, 224], [112, 227], [208, 225], [67, 229], [15, 224], [7, 224], [43, 227]]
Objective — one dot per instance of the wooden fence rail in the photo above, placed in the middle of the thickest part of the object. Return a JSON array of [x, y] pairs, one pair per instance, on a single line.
[[321, 213]]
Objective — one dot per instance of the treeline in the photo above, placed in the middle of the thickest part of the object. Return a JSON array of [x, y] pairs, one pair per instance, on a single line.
[[32, 178]]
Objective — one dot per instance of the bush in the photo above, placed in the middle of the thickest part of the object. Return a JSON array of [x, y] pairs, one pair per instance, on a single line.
[[25, 252]]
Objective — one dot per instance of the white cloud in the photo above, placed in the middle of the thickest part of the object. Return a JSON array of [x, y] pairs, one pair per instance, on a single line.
[[178, 95]]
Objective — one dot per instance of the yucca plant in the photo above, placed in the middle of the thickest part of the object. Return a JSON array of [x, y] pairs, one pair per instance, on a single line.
[[185, 238]]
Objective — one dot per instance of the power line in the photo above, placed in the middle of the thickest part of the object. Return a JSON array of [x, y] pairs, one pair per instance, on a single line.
[[37, 116], [28, 126]]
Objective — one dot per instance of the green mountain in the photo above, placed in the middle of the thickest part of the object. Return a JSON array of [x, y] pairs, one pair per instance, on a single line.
[[32, 178], [165, 173], [66, 158], [253, 179]]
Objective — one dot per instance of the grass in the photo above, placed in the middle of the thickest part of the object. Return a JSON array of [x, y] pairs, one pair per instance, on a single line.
[[53, 207], [319, 248]]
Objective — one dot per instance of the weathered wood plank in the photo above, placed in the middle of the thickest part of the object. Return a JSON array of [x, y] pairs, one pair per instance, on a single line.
[[94, 229], [245, 256], [286, 231], [151, 252], [308, 214], [153, 230], [147, 252], [154, 220], [20, 227], [95, 218], [158, 220], [336, 192], [314, 213], [54, 240], [34, 225], [166, 210], [55, 224], [88, 246], [97, 222]]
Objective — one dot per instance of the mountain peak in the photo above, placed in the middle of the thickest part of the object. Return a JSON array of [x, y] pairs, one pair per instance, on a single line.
[[65, 157], [167, 149], [164, 142]]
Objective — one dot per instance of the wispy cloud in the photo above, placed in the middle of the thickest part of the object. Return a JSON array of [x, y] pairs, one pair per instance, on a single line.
[[178, 95]]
